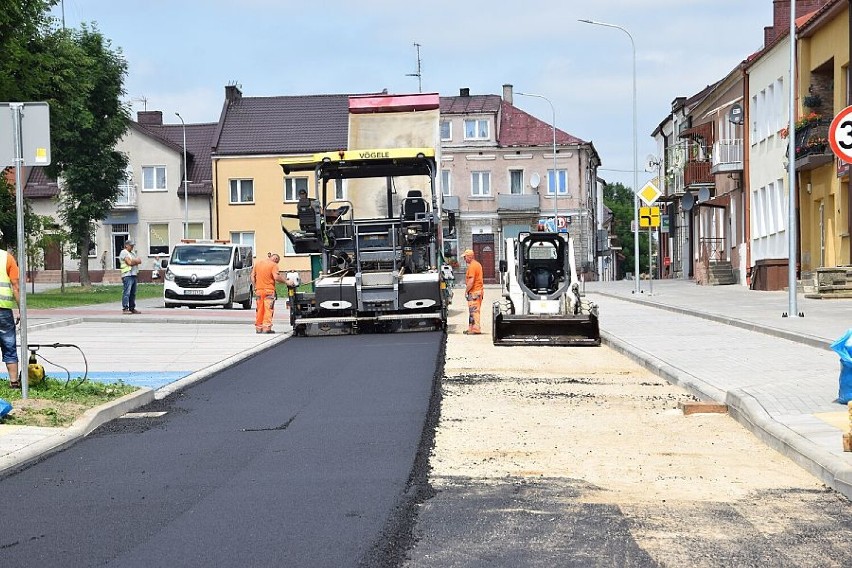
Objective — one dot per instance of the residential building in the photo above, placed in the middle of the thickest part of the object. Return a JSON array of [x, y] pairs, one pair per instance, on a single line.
[[251, 190], [150, 206], [498, 179], [825, 204]]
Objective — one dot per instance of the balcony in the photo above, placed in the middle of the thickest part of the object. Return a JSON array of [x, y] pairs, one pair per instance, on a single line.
[[812, 150], [513, 202], [727, 156], [697, 173], [126, 198], [450, 203]]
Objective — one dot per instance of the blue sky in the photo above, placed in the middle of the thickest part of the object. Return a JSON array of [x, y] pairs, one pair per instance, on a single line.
[[181, 54]]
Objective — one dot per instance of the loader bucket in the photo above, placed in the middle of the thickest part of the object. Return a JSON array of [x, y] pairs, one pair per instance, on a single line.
[[579, 330]]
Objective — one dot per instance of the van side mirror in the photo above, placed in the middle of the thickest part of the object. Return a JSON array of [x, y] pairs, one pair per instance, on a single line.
[[164, 263], [503, 266], [451, 222]]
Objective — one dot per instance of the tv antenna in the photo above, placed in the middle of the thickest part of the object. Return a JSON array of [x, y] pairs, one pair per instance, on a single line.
[[143, 99], [418, 74]]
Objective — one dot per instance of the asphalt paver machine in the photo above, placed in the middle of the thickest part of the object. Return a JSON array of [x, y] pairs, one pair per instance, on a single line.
[[541, 302], [379, 247]]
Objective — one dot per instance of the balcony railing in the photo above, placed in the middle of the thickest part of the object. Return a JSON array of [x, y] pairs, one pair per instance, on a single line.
[[727, 155], [697, 173], [126, 197], [517, 202]]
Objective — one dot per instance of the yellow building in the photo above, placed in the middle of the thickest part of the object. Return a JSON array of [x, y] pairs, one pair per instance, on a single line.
[[825, 214], [250, 188]]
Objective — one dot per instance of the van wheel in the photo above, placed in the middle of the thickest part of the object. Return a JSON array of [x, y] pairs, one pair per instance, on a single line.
[[247, 304], [230, 303]]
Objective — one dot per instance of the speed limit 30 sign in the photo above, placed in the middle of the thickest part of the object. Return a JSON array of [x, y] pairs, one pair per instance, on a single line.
[[840, 134]]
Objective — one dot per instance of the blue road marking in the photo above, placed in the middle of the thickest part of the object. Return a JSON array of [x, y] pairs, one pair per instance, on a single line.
[[151, 379]]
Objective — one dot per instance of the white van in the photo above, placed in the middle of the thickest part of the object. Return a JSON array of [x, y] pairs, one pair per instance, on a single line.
[[208, 273]]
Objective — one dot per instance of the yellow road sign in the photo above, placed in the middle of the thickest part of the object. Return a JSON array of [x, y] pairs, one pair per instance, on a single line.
[[649, 216], [649, 193]]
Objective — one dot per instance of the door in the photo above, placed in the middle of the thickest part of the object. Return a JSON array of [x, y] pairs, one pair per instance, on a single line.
[[483, 249], [117, 246], [52, 256]]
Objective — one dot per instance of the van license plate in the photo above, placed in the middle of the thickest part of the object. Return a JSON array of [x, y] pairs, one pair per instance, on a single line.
[[193, 292]]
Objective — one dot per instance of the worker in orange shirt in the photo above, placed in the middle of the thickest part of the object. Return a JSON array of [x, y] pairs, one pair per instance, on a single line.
[[473, 292], [264, 275]]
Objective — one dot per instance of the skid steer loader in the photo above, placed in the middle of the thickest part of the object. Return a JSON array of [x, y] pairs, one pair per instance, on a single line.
[[541, 303]]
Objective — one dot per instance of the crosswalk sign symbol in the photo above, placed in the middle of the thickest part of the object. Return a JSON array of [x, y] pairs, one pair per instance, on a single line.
[[649, 217]]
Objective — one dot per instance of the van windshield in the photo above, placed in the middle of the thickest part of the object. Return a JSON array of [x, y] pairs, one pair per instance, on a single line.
[[201, 255]]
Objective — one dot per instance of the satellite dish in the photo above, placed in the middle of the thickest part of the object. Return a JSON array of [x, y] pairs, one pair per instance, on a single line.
[[652, 162], [703, 194], [535, 180], [687, 201], [735, 115]]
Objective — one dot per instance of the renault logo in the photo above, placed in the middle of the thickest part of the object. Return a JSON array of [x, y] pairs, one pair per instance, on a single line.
[[193, 278]]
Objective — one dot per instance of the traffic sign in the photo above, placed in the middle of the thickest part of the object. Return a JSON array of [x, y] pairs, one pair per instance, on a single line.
[[649, 216], [840, 134], [649, 193]]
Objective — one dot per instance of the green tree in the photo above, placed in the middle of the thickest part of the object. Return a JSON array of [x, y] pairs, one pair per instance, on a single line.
[[620, 201], [24, 25], [86, 124], [81, 77]]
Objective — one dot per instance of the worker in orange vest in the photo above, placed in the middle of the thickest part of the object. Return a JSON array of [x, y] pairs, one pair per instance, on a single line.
[[264, 275], [473, 292]]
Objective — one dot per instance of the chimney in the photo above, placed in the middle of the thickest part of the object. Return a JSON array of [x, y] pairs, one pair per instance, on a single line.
[[781, 16], [150, 117], [464, 92], [507, 93], [232, 93]]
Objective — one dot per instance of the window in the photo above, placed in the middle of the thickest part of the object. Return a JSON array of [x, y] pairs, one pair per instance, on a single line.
[[158, 239], [242, 191], [340, 190], [292, 186], [516, 182], [244, 238], [446, 184], [153, 178], [476, 129], [93, 247], [562, 177], [446, 130], [480, 184], [195, 230]]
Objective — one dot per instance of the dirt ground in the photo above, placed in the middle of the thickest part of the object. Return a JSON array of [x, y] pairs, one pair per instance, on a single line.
[[594, 414], [592, 424], [40, 412]]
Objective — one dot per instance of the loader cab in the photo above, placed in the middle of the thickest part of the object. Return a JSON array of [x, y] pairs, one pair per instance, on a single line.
[[542, 258]]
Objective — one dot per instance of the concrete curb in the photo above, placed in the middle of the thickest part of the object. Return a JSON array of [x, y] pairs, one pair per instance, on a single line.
[[808, 340], [659, 367], [831, 470], [81, 427], [119, 319], [746, 410], [202, 374]]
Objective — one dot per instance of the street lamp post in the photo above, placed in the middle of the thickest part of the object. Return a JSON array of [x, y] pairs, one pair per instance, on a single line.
[[185, 182], [636, 289], [555, 179]]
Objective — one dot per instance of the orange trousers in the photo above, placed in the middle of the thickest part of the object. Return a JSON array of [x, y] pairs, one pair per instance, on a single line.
[[474, 308], [265, 310]]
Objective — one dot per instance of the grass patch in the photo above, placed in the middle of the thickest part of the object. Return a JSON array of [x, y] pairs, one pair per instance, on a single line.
[[51, 403], [79, 296]]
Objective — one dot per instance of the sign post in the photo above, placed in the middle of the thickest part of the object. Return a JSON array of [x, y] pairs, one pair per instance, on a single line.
[[29, 124], [649, 194]]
